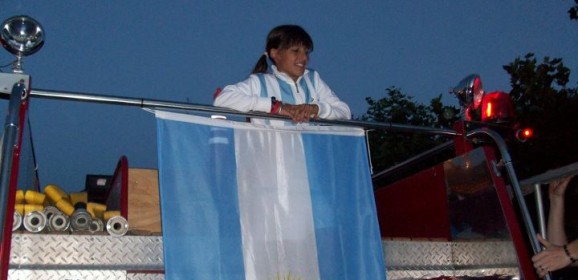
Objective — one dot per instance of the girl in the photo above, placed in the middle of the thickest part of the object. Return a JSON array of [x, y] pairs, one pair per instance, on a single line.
[[286, 88]]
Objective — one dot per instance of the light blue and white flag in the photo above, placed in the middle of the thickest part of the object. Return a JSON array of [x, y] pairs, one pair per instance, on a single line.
[[246, 201]]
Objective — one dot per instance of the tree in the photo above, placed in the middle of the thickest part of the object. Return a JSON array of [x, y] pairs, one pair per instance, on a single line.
[[573, 12], [389, 148], [543, 101]]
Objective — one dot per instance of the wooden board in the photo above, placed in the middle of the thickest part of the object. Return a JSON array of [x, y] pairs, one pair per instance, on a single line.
[[143, 200]]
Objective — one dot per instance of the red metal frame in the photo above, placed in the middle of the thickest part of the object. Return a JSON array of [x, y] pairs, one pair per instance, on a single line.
[[524, 257], [462, 145], [9, 219], [118, 194], [405, 198]]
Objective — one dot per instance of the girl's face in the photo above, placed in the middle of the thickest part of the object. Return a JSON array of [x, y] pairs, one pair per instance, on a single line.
[[291, 61]]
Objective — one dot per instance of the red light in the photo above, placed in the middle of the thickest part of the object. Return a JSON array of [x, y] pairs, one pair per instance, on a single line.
[[488, 112], [524, 134], [497, 107]]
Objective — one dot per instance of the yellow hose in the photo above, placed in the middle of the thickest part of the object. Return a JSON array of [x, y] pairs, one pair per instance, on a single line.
[[110, 214], [96, 210], [34, 197], [55, 193], [65, 206], [78, 197], [24, 209], [19, 196]]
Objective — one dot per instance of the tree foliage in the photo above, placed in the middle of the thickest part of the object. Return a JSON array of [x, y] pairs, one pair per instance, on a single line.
[[573, 12], [388, 148], [543, 101]]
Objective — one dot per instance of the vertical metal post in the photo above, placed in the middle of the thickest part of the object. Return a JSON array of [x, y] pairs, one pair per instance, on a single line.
[[10, 140], [540, 206], [8, 175]]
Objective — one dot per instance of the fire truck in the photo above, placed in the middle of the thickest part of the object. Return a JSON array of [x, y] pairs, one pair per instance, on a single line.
[[456, 211]]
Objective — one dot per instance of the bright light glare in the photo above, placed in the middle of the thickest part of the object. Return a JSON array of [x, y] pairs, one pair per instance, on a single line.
[[524, 134], [489, 110]]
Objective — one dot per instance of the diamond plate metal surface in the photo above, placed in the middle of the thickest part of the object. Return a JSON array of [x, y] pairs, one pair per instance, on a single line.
[[430, 259], [72, 257], [407, 254], [145, 276], [467, 274], [56, 251], [487, 253], [26, 274]]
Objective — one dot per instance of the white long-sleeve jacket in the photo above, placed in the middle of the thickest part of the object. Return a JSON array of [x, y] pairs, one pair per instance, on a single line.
[[249, 95]]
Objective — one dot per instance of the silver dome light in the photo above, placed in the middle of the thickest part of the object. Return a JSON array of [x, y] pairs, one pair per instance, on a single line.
[[22, 36]]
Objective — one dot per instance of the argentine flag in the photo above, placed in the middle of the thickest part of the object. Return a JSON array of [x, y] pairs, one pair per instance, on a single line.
[[247, 201]]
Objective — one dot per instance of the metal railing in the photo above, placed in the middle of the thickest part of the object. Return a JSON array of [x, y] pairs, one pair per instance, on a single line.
[[161, 104]]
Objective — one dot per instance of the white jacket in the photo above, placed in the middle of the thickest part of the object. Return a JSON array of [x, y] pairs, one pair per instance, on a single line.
[[248, 95]]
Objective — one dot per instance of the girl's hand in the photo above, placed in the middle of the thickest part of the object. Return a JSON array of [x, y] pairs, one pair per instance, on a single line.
[[300, 113], [558, 187], [550, 259]]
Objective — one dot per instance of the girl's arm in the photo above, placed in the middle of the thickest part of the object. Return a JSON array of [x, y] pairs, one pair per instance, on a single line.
[[243, 96]]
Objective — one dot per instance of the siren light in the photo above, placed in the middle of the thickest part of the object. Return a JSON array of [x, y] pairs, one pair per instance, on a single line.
[[497, 107], [524, 134]]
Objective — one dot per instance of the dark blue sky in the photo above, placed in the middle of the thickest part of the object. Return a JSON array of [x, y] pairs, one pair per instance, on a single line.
[[183, 50]]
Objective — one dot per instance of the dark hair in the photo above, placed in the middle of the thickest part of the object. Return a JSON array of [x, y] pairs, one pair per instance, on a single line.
[[283, 37]]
